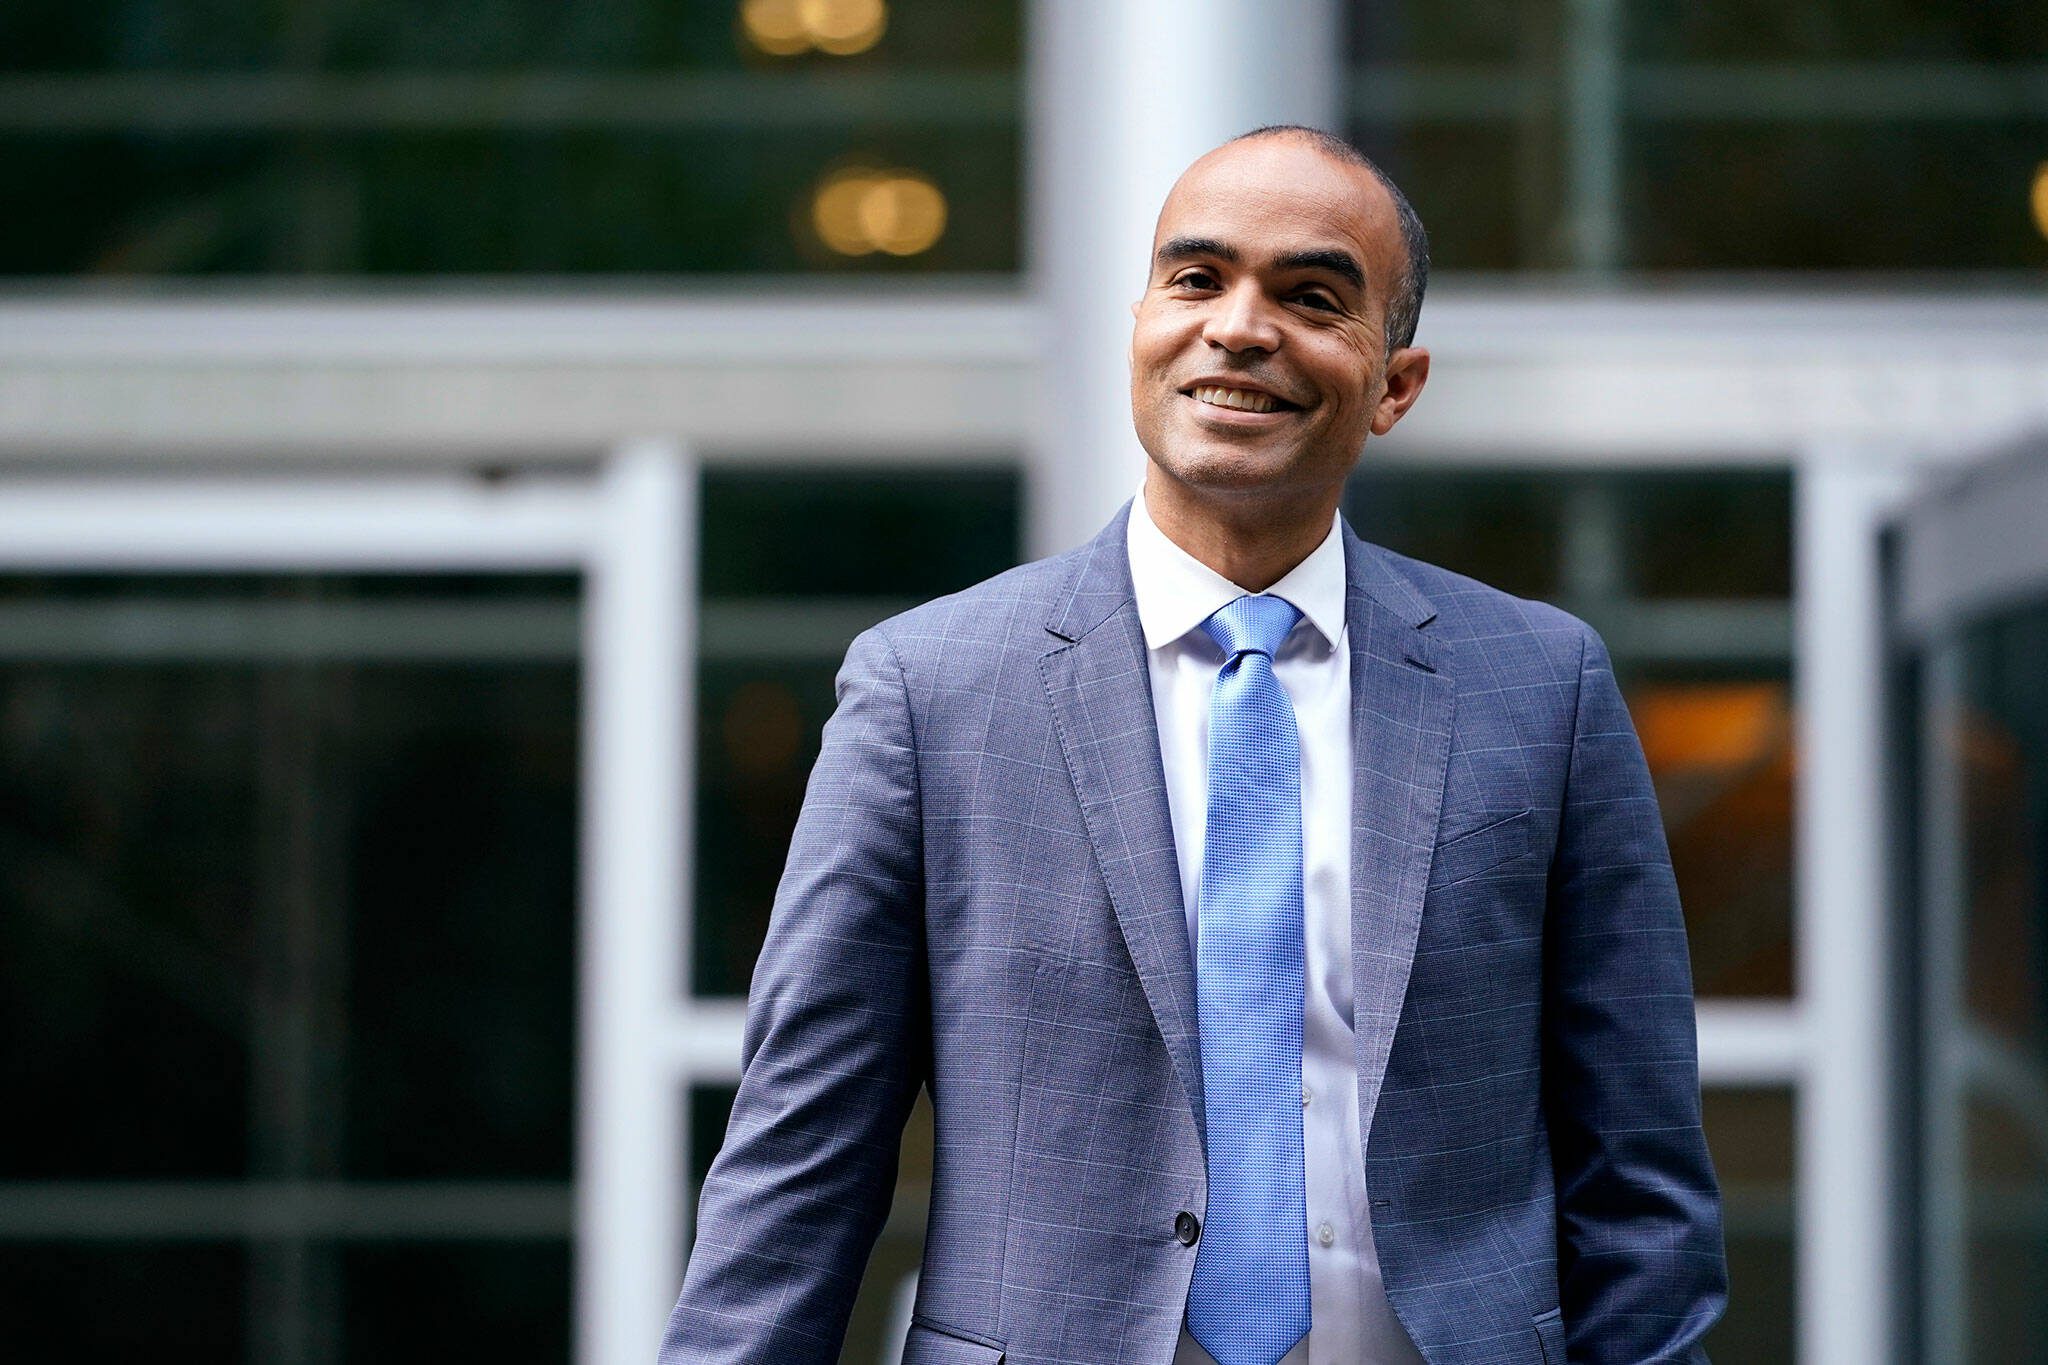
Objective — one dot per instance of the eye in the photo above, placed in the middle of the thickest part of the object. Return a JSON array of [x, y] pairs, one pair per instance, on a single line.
[[1316, 298], [1195, 278]]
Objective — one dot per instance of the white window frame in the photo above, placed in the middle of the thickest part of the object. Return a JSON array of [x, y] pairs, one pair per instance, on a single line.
[[630, 530]]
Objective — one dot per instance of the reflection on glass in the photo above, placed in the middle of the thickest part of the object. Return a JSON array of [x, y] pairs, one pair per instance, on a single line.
[[1720, 754], [1987, 1015]]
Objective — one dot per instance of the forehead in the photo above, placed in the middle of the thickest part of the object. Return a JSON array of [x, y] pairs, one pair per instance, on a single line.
[[1267, 195]]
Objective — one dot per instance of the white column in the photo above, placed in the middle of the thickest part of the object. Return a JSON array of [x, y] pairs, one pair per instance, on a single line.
[[1123, 95], [1846, 1199], [638, 705]]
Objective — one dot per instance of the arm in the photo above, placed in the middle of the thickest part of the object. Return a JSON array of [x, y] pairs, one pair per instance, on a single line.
[[1640, 1266], [836, 1044]]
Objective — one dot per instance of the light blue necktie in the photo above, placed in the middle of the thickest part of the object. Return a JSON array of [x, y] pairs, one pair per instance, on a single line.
[[1248, 1304]]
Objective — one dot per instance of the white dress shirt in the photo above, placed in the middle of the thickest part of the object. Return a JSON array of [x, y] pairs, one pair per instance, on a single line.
[[1353, 1324]]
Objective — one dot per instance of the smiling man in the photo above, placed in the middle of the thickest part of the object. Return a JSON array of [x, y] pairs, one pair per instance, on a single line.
[[1283, 928]]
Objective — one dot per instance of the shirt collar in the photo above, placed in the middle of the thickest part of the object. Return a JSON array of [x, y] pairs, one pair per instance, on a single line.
[[1177, 592]]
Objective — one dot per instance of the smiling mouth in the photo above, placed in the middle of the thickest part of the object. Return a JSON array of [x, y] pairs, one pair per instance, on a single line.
[[1238, 400]]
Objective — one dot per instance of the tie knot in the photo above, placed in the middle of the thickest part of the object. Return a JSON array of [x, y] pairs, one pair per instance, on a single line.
[[1252, 625]]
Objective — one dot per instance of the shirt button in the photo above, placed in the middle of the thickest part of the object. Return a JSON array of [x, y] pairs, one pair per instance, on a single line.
[[1305, 1097], [1326, 1234], [1186, 1228]]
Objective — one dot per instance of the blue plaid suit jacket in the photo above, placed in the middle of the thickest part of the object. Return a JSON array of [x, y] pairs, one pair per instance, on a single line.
[[982, 898]]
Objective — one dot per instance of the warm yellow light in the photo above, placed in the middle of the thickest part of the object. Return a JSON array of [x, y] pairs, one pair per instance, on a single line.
[[2040, 198], [784, 28], [835, 212], [860, 211], [903, 214], [844, 27], [775, 26]]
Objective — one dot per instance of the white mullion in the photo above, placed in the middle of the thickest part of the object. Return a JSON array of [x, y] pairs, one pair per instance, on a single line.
[[1845, 1188], [1751, 1044], [639, 712]]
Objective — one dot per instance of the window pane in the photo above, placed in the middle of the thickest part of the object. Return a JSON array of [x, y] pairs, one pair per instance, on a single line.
[[1501, 528], [315, 918], [484, 202], [1940, 196], [1472, 184], [111, 1304], [758, 729], [796, 532], [1845, 30], [1720, 754], [455, 1301], [1720, 534], [498, 137], [1749, 1133], [170, 35]]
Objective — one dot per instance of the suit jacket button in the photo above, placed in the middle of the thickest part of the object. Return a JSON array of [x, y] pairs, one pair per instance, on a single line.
[[1187, 1228]]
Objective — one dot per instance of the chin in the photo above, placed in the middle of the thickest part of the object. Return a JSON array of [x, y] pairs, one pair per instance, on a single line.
[[1221, 467]]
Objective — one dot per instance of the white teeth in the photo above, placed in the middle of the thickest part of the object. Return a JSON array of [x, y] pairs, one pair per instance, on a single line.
[[1245, 400]]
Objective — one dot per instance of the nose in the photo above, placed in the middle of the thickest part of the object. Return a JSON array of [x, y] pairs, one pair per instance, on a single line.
[[1240, 320]]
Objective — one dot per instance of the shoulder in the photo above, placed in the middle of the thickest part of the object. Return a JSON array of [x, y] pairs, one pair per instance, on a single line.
[[1480, 620], [963, 638]]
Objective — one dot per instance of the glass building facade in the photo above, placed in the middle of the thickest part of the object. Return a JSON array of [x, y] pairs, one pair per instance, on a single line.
[[291, 974]]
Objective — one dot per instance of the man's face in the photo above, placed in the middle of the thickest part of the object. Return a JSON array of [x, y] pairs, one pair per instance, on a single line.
[[1259, 361]]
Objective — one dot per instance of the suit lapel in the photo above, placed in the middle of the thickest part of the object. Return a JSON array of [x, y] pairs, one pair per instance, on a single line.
[[1401, 707], [1100, 689]]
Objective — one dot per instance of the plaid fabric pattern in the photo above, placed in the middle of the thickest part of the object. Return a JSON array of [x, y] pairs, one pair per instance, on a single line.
[[982, 897]]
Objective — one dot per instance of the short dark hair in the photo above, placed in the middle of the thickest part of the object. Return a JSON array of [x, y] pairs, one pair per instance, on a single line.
[[1404, 308]]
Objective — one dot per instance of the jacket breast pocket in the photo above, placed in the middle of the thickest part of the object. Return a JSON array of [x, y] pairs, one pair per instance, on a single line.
[[1478, 851], [929, 1344]]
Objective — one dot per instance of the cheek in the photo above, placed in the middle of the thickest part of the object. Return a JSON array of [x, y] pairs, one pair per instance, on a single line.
[[1151, 348]]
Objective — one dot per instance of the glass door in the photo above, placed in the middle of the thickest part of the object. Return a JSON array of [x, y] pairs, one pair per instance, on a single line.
[[1970, 587]]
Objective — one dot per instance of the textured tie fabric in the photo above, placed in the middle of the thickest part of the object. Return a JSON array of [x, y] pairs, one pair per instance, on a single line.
[[1249, 1304]]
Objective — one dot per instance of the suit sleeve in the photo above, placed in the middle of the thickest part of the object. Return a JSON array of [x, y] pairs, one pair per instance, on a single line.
[[1640, 1263], [836, 1046]]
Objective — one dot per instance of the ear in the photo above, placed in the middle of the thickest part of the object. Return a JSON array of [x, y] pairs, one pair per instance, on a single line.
[[1407, 372]]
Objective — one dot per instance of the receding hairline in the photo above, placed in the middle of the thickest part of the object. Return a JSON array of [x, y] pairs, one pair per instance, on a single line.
[[1405, 302]]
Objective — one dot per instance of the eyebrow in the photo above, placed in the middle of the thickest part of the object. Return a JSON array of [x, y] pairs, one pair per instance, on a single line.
[[1188, 248], [1328, 259]]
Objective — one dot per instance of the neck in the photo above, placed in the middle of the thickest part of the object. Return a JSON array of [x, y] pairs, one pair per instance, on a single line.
[[1252, 541]]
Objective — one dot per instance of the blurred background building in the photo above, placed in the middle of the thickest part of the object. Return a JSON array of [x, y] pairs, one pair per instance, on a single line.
[[445, 449]]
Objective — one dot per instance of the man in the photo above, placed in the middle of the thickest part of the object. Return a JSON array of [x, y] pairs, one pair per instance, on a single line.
[[1283, 928]]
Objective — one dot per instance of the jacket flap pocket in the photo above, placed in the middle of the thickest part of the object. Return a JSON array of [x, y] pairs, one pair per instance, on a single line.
[[1482, 849], [930, 1344], [1550, 1335]]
